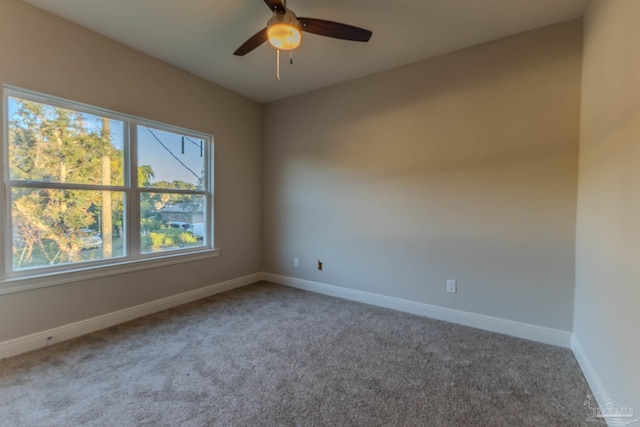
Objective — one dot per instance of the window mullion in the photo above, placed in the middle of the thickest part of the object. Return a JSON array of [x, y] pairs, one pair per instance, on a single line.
[[133, 209], [64, 186], [171, 191]]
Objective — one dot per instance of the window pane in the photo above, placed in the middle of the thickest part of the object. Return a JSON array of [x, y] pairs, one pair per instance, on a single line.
[[52, 227], [170, 160], [171, 221], [54, 144]]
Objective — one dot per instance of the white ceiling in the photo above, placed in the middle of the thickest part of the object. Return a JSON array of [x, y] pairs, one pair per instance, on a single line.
[[200, 36]]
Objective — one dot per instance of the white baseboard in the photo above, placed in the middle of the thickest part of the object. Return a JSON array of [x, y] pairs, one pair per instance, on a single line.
[[517, 329], [590, 374], [62, 333], [522, 330]]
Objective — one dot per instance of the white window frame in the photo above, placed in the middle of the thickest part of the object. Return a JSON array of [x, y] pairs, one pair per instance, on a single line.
[[19, 280]]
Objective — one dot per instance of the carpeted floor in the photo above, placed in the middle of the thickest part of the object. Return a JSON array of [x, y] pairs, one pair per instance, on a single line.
[[268, 355]]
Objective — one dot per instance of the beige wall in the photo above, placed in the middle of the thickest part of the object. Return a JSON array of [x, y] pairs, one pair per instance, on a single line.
[[44, 53], [462, 167], [607, 295]]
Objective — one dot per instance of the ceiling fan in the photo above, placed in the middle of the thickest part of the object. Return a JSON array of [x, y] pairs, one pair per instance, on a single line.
[[284, 30]]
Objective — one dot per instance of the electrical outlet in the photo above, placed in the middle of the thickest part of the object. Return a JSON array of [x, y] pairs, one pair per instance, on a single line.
[[452, 286], [296, 262], [319, 265]]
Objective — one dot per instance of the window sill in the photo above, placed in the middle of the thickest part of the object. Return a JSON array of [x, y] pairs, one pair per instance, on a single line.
[[25, 283]]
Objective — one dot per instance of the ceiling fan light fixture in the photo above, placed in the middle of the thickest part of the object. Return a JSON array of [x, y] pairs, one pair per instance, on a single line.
[[284, 36], [284, 30]]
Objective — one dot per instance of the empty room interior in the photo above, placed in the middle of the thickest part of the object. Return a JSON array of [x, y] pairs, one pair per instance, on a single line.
[[423, 215]]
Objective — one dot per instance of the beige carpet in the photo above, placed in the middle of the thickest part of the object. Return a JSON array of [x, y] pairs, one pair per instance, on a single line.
[[267, 355]]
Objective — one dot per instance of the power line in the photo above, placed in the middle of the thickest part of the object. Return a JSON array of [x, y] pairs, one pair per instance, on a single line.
[[172, 155], [193, 142]]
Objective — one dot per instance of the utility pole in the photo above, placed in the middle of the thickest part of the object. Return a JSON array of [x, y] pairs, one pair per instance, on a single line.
[[107, 219]]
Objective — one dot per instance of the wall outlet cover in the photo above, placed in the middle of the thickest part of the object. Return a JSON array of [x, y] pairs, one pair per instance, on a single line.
[[452, 286]]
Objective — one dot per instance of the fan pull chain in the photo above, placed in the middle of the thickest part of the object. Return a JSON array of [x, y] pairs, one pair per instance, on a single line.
[[278, 64], [291, 51]]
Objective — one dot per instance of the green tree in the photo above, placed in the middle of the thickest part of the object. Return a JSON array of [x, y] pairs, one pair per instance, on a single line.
[[163, 199], [53, 144], [155, 234]]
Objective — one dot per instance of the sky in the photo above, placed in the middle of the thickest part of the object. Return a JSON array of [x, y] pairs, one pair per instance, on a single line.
[[163, 151]]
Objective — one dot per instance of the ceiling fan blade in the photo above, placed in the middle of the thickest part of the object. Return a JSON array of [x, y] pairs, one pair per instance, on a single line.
[[335, 29], [275, 5], [256, 40]]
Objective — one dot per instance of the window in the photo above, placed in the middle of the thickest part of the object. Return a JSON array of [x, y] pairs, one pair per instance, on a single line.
[[86, 187]]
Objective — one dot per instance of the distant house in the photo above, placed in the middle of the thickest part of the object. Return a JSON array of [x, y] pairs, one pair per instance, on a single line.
[[182, 213]]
